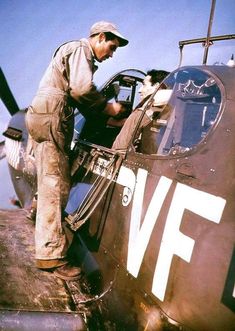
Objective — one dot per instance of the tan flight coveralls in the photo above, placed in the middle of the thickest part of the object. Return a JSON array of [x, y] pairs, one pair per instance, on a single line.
[[125, 136], [66, 84], [137, 118]]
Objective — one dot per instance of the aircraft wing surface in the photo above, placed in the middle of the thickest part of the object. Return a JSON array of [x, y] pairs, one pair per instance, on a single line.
[[29, 296]]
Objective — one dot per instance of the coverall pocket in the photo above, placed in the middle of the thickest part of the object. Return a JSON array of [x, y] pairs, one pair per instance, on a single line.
[[39, 125], [66, 124]]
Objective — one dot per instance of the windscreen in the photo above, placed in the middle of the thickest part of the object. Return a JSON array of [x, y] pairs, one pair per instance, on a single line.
[[189, 105]]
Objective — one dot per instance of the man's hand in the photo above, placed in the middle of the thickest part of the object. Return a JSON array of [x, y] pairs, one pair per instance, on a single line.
[[116, 123], [113, 109]]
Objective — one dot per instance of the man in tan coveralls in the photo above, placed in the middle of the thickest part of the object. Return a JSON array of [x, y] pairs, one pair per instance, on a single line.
[[67, 84]]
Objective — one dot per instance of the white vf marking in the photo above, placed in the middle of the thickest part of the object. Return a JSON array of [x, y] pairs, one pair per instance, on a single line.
[[173, 242], [139, 236]]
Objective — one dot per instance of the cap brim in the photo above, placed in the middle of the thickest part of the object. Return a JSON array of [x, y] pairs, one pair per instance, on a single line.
[[121, 39]]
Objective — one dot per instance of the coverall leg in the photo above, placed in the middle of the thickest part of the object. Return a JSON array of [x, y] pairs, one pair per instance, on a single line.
[[50, 123]]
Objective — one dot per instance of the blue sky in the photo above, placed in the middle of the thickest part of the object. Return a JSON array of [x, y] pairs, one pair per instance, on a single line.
[[31, 30]]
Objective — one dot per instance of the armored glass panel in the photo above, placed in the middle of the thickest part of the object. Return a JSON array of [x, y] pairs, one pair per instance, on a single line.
[[189, 113]]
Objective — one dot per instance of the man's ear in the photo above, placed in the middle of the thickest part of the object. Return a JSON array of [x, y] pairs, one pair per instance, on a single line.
[[102, 37]]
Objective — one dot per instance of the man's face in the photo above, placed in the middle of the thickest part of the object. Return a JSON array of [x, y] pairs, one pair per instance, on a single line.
[[104, 49], [147, 88]]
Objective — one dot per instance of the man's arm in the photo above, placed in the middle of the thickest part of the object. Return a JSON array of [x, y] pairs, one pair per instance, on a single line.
[[81, 86]]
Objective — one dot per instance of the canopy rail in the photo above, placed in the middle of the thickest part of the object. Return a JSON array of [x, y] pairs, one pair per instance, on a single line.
[[203, 42]]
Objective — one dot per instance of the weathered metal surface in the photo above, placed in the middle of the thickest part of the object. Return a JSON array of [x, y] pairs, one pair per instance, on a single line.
[[40, 321], [26, 291]]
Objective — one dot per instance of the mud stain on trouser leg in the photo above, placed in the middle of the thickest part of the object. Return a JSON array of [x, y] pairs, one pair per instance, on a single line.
[[53, 189], [50, 121]]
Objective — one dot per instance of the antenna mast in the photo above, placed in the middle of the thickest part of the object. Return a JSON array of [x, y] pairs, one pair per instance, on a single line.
[[207, 43]]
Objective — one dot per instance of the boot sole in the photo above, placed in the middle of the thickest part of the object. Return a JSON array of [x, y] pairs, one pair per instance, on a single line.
[[64, 277]]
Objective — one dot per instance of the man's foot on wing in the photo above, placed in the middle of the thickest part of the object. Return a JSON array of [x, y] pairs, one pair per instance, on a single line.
[[68, 272]]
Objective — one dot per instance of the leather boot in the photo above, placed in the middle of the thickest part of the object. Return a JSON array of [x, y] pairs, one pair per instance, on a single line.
[[68, 272]]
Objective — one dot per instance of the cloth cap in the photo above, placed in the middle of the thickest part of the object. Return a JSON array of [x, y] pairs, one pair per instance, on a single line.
[[104, 26]]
